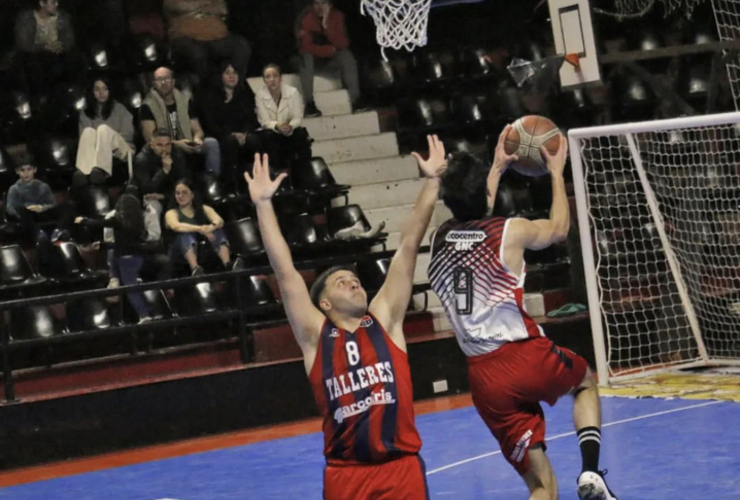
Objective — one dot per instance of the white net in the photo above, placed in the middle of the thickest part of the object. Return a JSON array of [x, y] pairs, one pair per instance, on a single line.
[[399, 23], [727, 16], [667, 275]]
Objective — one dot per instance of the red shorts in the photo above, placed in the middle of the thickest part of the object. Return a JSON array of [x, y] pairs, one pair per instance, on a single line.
[[508, 384], [404, 478]]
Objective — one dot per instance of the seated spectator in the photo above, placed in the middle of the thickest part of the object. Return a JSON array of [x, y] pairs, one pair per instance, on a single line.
[[106, 131], [145, 18], [31, 203], [280, 112], [229, 115], [323, 43], [156, 169], [132, 248], [198, 32], [191, 219], [167, 108], [45, 43]]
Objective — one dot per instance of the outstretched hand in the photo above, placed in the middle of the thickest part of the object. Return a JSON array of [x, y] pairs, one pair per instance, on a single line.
[[261, 187], [556, 162], [437, 161], [501, 159]]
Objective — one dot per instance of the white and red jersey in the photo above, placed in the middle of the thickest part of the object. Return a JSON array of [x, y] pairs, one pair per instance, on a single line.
[[483, 299]]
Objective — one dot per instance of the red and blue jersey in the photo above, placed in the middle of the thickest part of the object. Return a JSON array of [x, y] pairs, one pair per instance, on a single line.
[[362, 384]]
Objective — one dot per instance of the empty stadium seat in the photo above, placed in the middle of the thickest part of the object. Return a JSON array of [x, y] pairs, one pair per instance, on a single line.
[[194, 300], [159, 307], [299, 230], [244, 238], [93, 201], [33, 322], [87, 314], [256, 292], [372, 273], [338, 218], [15, 270], [66, 264], [318, 178]]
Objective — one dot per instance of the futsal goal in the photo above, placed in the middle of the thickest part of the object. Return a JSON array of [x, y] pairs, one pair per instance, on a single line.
[[658, 207]]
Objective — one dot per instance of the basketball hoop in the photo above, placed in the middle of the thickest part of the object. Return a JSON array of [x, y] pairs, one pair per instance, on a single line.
[[399, 23]]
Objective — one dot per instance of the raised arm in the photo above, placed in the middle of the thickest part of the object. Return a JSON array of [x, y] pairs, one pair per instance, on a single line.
[[535, 235], [501, 162], [305, 319], [390, 305]]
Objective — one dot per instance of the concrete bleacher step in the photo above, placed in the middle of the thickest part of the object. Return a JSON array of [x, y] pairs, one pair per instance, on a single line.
[[358, 173], [333, 102], [321, 82], [339, 127], [395, 216], [385, 194], [356, 148]]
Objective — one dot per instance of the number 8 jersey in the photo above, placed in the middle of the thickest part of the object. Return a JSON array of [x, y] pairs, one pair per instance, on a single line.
[[482, 298]]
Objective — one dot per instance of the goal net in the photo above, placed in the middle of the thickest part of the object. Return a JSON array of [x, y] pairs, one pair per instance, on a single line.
[[659, 217]]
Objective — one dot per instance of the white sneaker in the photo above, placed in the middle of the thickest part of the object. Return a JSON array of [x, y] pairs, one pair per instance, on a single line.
[[144, 319], [591, 486]]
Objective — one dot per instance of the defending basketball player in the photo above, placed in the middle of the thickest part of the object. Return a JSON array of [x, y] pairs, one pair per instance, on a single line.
[[477, 269], [355, 354]]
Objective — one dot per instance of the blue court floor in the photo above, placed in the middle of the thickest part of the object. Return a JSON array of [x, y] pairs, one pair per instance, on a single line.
[[654, 449]]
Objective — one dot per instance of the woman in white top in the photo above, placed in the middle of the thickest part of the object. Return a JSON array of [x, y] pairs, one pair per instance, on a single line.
[[280, 112], [106, 131]]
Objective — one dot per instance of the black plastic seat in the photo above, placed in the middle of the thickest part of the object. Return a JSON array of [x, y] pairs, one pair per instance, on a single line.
[[372, 273], [98, 58], [475, 62], [299, 230], [256, 292], [56, 154], [318, 178], [17, 117], [15, 269], [338, 218], [194, 300], [87, 314], [66, 264], [211, 188], [61, 110], [33, 322], [244, 238], [93, 201], [7, 171]]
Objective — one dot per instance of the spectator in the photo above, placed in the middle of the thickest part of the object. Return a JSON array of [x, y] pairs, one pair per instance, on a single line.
[[45, 43], [106, 130], [198, 31], [280, 112], [145, 18], [191, 218], [132, 249], [323, 43], [167, 108], [31, 202], [156, 169], [229, 115]]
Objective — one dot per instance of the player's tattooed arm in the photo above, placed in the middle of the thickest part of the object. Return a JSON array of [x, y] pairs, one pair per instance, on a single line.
[[392, 300], [304, 318]]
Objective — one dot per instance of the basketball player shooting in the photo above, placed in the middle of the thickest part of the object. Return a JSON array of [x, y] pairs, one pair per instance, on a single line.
[[355, 355], [477, 269]]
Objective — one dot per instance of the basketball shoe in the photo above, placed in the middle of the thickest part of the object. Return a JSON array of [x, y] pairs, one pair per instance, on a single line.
[[591, 486]]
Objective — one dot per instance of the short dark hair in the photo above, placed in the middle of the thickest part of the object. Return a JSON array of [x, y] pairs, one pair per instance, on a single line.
[[23, 160], [319, 284], [464, 187], [161, 132]]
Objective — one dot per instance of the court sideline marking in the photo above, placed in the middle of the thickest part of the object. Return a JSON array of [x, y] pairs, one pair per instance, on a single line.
[[573, 433]]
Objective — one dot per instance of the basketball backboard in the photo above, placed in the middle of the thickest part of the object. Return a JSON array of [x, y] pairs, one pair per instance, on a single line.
[[574, 36]]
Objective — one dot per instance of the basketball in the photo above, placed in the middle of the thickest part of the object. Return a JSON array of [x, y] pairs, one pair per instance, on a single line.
[[527, 135]]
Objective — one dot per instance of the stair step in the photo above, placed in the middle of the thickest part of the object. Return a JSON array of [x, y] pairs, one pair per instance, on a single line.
[[358, 173], [333, 102], [321, 83], [395, 216], [356, 148], [385, 194], [338, 127]]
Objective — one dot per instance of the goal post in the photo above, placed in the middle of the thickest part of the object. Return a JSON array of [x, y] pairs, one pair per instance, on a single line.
[[658, 209]]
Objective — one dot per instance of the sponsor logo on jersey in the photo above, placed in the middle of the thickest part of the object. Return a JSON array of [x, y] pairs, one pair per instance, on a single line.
[[334, 333], [361, 378], [381, 397], [366, 322], [479, 337], [465, 240]]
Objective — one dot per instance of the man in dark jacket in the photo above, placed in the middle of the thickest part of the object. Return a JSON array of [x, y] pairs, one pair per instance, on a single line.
[[157, 167], [45, 46], [323, 42]]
